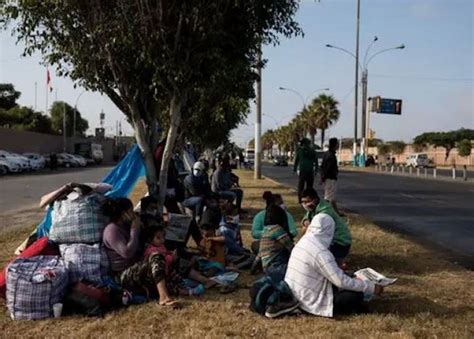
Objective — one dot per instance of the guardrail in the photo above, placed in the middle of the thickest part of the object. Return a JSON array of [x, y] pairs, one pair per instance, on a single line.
[[422, 172]]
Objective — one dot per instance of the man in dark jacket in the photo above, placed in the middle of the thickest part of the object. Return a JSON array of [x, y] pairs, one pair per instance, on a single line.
[[197, 189], [329, 173], [306, 165], [223, 182]]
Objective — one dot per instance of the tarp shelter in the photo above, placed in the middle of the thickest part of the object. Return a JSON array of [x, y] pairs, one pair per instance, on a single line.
[[123, 179]]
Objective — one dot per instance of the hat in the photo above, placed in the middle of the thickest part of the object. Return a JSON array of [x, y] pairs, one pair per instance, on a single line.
[[199, 165]]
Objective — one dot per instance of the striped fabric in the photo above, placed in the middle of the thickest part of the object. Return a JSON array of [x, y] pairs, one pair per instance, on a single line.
[[85, 262], [274, 241], [78, 221], [34, 285], [312, 270]]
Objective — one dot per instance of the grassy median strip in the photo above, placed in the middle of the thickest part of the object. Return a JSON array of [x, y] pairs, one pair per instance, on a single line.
[[432, 297]]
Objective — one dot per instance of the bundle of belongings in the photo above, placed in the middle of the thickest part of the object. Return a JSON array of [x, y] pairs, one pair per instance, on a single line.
[[67, 268]]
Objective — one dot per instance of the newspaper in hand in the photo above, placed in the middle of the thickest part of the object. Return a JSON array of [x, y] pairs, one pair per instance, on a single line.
[[374, 276], [178, 226]]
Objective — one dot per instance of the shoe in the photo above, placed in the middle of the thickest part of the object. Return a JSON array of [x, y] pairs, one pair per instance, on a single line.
[[282, 308], [256, 266], [196, 291]]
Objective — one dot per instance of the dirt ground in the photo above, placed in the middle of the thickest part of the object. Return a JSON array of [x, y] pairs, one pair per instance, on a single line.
[[432, 298]]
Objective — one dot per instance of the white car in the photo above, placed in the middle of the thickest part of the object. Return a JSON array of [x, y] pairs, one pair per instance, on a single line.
[[8, 166], [418, 160], [37, 161], [82, 161], [22, 162]]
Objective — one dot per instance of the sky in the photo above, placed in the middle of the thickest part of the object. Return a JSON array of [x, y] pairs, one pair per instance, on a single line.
[[433, 75]]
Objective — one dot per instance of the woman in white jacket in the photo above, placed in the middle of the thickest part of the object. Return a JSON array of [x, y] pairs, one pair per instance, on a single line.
[[315, 279]]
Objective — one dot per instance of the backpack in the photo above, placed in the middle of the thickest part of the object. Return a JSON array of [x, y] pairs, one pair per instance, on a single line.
[[265, 291]]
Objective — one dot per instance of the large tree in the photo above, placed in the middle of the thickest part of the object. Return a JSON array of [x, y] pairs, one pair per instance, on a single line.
[[57, 113], [447, 140], [150, 57], [325, 113], [8, 96], [25, 119]]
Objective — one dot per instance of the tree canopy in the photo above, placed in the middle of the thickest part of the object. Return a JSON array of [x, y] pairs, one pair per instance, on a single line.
[[464, 148], [57, 112], [448, 140], [152, 57], [26, 119], [8, 96]]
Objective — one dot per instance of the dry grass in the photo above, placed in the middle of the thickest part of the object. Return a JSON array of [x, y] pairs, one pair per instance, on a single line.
[[432, 298]]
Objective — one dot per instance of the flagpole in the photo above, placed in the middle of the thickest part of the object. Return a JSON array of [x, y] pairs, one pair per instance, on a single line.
[[47, 94], [36, 96]]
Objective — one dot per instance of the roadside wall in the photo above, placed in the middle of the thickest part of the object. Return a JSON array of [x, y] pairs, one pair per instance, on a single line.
[[23, 141], [437, 154]]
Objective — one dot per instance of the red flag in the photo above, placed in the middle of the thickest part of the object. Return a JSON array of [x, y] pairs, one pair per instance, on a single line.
[[49, 84]]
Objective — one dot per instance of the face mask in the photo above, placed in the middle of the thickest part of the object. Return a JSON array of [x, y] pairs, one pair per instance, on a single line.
[[235, 219], [308, 206], [197, 172], [283, 206]]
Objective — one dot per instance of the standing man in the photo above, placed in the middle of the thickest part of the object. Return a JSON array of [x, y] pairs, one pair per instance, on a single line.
[[306, 165], [329, 173]]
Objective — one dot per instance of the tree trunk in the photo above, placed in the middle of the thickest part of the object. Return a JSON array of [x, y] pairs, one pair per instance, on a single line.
[[175, 121], [312, 138], [322, 138], [147, 151]]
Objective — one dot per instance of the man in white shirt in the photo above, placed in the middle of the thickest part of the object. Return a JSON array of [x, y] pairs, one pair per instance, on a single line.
[[315, 279]]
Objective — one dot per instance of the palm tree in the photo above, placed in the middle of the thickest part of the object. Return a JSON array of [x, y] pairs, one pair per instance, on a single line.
[[326, 112], [308, 120]]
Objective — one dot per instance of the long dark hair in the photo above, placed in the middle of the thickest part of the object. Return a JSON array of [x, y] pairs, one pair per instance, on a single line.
[[275, 215], [114, 208]]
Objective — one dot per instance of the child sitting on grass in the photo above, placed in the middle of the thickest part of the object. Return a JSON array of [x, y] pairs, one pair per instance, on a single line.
[[176, 268]]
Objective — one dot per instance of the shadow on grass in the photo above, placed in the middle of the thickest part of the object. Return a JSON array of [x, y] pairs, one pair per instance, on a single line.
[[395, 263], [408, 306]]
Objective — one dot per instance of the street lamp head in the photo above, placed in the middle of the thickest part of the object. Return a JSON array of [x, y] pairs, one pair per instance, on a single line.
[[330, 46], [375, 38], [402, 46], [281, 88], [326, 89]]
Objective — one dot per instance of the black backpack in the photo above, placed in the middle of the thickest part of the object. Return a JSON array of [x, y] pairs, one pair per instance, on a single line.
[[265, 291]]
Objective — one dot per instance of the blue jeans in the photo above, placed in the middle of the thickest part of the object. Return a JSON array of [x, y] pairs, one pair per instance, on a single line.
[[234, 194], [196, 204]]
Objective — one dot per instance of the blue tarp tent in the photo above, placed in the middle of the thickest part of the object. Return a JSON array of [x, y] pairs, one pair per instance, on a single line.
[[123, 178]]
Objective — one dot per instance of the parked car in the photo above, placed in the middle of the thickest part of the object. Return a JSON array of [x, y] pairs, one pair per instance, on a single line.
[[8, 166], [37, 161], [82, 161], [418, 160], [280, 160], [23, 162], [65, 161]]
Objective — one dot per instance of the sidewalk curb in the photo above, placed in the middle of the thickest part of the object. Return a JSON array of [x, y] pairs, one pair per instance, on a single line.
[[279, 183]]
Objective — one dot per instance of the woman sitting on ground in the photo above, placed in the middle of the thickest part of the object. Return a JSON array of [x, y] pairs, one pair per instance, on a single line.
[[315, 279], [122, 242], [276, 243], [258, 222]]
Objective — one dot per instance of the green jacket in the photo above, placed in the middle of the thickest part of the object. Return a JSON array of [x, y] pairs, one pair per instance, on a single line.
[[306, 160], [342, 234], [258, 224]]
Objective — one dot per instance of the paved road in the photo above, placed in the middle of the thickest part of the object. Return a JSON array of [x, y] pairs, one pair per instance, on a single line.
[[441, 173], [24, 191], [440, 214]]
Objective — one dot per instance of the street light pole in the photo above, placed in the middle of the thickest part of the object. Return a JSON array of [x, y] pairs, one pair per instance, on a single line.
[[258, 121], [75, 114], [356, 87]]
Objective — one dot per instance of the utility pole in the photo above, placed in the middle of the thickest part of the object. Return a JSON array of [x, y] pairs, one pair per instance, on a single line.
[[364, 117], [36, 96], [356, 88], [64, 127], [258, 120]]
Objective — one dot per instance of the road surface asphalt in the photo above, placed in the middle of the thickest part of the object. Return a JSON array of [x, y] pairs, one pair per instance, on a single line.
[[439, 214]]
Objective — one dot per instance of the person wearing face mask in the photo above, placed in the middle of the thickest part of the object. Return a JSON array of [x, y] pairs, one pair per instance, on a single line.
[[341, 243], [197, 189], [315, 279], [258, 222]]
